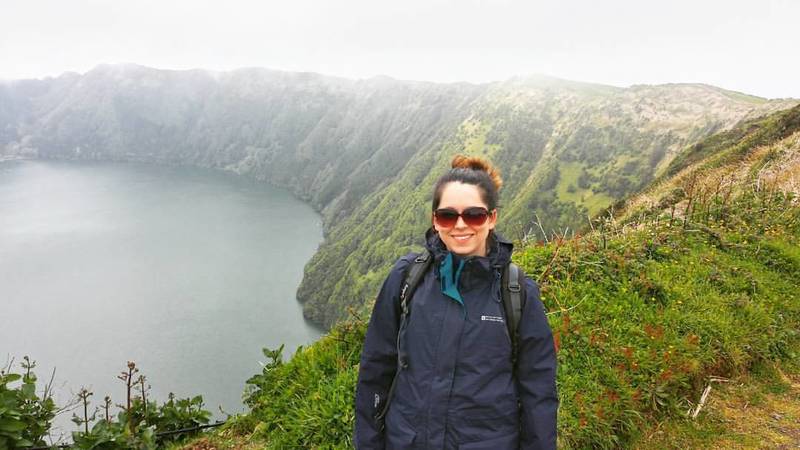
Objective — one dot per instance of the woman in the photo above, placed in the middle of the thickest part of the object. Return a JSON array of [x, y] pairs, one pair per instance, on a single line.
[[454, 385]]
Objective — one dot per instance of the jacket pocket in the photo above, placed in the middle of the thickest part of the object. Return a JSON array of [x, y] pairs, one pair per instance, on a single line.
[[400, 433], [507, 442], [478, 431]]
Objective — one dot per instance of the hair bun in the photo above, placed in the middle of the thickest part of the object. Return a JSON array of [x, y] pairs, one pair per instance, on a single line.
[[480, 164]]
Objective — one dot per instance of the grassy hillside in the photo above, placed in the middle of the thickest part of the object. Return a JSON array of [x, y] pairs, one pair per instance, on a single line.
[[365, 153], [567, 151], [721, 168], [645, 308]]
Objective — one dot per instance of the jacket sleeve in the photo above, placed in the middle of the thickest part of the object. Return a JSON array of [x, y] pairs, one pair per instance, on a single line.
[[536, 375], [378, 361]]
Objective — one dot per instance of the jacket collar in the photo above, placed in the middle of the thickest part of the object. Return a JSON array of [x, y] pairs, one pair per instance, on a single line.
[[499, 254]]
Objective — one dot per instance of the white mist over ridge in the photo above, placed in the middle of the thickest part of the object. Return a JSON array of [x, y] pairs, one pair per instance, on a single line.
[[738, 45]]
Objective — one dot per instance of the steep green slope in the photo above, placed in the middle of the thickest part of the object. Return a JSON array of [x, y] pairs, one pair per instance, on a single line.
[[643, 313], [720, 167], [567, 150], [364, 153]]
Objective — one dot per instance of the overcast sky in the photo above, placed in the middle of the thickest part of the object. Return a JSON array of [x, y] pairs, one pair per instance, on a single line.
[[748, 46]]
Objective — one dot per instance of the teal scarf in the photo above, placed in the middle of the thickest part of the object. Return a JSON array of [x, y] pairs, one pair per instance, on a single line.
[[450, 279]]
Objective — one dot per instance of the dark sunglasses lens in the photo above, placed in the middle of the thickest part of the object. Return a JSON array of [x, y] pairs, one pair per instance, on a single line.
[[446, 217], [475, 217]]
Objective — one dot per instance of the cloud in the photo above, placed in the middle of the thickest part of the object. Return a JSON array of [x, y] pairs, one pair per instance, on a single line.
[[738, 45]]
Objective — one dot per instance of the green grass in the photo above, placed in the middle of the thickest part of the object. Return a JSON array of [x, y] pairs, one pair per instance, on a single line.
[[569, 178], [642, 322], [474, 133], [739, 96], [593, 201]]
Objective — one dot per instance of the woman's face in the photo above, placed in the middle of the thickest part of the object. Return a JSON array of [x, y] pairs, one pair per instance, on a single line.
[[461, 238]]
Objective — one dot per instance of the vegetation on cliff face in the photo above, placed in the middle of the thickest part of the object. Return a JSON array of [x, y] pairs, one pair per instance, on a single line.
[[365, 153], [701, 281]]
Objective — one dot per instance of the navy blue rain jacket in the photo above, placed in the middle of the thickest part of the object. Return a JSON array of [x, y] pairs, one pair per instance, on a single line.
[[458, 390]]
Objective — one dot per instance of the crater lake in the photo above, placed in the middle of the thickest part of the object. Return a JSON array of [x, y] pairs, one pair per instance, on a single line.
[[187, 272]]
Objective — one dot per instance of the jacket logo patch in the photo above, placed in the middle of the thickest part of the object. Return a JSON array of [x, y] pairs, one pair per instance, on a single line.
[[492, 319]]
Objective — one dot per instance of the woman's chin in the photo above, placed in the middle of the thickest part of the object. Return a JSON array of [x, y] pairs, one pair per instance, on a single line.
[[464, 248]]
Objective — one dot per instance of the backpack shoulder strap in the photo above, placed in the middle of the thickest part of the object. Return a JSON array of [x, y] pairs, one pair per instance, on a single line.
[[513, 295], [413, 275]]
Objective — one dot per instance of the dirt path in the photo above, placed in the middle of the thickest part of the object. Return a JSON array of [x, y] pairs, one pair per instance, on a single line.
[[760, 411]]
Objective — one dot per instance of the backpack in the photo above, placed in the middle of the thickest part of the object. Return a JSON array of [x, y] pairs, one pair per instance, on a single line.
[[511, 291]]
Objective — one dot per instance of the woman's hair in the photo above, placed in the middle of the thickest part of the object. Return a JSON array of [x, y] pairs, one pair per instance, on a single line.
[[471, 170]]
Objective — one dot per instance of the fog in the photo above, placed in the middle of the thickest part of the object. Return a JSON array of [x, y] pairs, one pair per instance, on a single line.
[[740, 45]]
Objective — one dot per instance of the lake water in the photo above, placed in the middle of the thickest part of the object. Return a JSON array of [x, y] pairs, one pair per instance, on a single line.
[[187, 272]]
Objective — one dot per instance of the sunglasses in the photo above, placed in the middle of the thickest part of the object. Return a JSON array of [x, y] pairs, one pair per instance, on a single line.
[[473, 217]]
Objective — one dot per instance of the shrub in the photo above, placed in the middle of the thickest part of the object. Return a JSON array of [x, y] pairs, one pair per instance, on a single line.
[[25, 417]]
